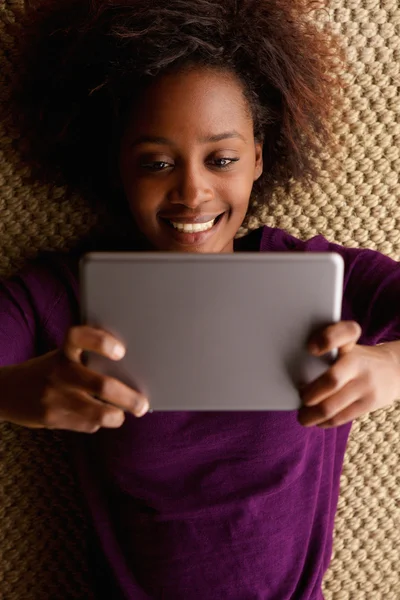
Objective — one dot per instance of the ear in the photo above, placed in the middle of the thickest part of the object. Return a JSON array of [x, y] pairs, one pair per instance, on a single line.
[[259, 166]]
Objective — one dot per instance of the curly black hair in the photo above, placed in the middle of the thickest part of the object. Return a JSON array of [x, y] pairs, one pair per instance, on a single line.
[[84, 62]]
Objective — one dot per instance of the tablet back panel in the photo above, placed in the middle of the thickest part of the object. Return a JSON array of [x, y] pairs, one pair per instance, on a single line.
[[213, 332]]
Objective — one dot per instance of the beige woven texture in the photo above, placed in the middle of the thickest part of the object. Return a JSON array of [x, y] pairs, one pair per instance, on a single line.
[[42, 524]]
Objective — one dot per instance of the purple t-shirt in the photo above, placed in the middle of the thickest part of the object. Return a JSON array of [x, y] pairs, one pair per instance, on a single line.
[[236, 506]]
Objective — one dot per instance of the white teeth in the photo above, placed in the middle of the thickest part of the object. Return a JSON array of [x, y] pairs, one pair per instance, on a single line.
[[193, 227]]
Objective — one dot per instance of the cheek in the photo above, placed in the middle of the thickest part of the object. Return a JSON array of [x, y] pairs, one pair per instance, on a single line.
[[143, 198], [141, 192], [238, 191]]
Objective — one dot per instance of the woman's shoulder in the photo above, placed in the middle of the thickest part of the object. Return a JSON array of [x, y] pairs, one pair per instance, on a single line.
[[47, 273], [371, 285], [44, 282], [364, 268], [275, 239], [37, 306]]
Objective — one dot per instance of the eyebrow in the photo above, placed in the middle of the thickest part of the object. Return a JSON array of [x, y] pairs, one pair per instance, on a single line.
[[227, 135], [155, 139]]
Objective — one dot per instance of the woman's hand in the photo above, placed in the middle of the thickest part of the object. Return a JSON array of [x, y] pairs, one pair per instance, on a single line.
[[56, 391], [362, 380]]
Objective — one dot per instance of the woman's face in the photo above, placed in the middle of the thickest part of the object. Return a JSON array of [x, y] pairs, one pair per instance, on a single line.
[[188, 161]]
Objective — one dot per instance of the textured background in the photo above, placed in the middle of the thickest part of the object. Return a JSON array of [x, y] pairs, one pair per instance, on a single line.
[[42, 524]]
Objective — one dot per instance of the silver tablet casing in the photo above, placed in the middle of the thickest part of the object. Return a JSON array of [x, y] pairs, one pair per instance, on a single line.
[[213, 331]]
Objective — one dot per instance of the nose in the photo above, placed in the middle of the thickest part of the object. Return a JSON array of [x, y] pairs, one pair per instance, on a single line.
[[191, 188]]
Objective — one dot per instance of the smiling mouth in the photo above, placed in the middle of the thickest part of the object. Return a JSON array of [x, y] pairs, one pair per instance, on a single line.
[[193, 227]]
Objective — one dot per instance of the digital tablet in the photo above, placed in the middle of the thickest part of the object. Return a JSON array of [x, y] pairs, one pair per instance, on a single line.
[[213, 331]]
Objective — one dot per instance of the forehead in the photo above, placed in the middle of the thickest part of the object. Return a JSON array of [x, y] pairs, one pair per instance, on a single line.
[[193, 102]]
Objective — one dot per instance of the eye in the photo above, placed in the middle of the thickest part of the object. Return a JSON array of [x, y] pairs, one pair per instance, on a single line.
[[154, 166], [222, 163]]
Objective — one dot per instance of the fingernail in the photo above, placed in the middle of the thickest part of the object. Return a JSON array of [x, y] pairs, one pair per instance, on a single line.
[[142, 407], [118, 351]]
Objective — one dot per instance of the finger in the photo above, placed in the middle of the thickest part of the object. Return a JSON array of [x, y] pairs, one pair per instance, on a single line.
[[332, 406], [87, 338], [343, 335], [354, 411], [106, 388], [335, 378], [76, 411]]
